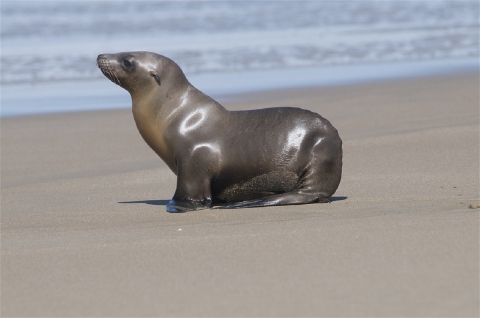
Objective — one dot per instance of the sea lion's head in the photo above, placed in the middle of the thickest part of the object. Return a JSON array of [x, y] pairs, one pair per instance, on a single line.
[[141, 71]]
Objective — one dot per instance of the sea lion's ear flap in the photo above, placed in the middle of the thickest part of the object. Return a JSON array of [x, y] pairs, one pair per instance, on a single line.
[[156, 77]]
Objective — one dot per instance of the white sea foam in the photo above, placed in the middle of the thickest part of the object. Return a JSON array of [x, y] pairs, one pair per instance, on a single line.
[[58, 41]]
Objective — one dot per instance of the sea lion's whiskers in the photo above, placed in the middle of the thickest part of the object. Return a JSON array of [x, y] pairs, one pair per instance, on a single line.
[[116, 78], [108, 71]]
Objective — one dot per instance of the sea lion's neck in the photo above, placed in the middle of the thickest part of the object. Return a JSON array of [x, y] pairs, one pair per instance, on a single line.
[[147, 113]]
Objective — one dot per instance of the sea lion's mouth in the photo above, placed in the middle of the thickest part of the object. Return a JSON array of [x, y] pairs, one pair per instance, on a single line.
[[107, 70]]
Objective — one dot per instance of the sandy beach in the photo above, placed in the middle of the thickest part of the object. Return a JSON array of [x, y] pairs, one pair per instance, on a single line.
[[84, 231]]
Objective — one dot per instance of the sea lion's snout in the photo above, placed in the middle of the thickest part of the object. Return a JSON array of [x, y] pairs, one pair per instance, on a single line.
[[107, 70]]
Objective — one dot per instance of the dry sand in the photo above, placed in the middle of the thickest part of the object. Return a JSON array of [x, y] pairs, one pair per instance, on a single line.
[[84, 230]]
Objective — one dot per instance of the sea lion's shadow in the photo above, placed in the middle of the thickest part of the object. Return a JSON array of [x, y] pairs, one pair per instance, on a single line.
[[165, 202], [150, 202], [332, 199]]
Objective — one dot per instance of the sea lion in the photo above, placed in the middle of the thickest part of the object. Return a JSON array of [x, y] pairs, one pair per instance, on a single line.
[[255, 158]]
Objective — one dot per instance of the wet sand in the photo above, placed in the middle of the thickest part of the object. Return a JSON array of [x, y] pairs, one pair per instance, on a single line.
[[84, 230]]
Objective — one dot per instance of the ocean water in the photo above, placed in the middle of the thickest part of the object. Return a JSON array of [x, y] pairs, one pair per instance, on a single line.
[[49, 48]]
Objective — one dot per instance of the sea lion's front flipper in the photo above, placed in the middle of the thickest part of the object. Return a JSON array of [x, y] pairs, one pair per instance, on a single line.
[[289, 198], [193, 190]]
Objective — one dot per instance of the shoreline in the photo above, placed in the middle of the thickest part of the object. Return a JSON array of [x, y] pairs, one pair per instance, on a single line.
[[85, 231], [51, 97]]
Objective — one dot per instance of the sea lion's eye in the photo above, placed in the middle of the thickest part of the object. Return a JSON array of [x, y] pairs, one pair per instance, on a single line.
[[127, 64]]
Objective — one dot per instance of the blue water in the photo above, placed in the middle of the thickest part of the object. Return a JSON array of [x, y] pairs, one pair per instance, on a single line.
[[49, 48]]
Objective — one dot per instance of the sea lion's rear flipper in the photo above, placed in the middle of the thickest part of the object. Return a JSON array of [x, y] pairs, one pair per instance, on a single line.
[[289, 198]]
